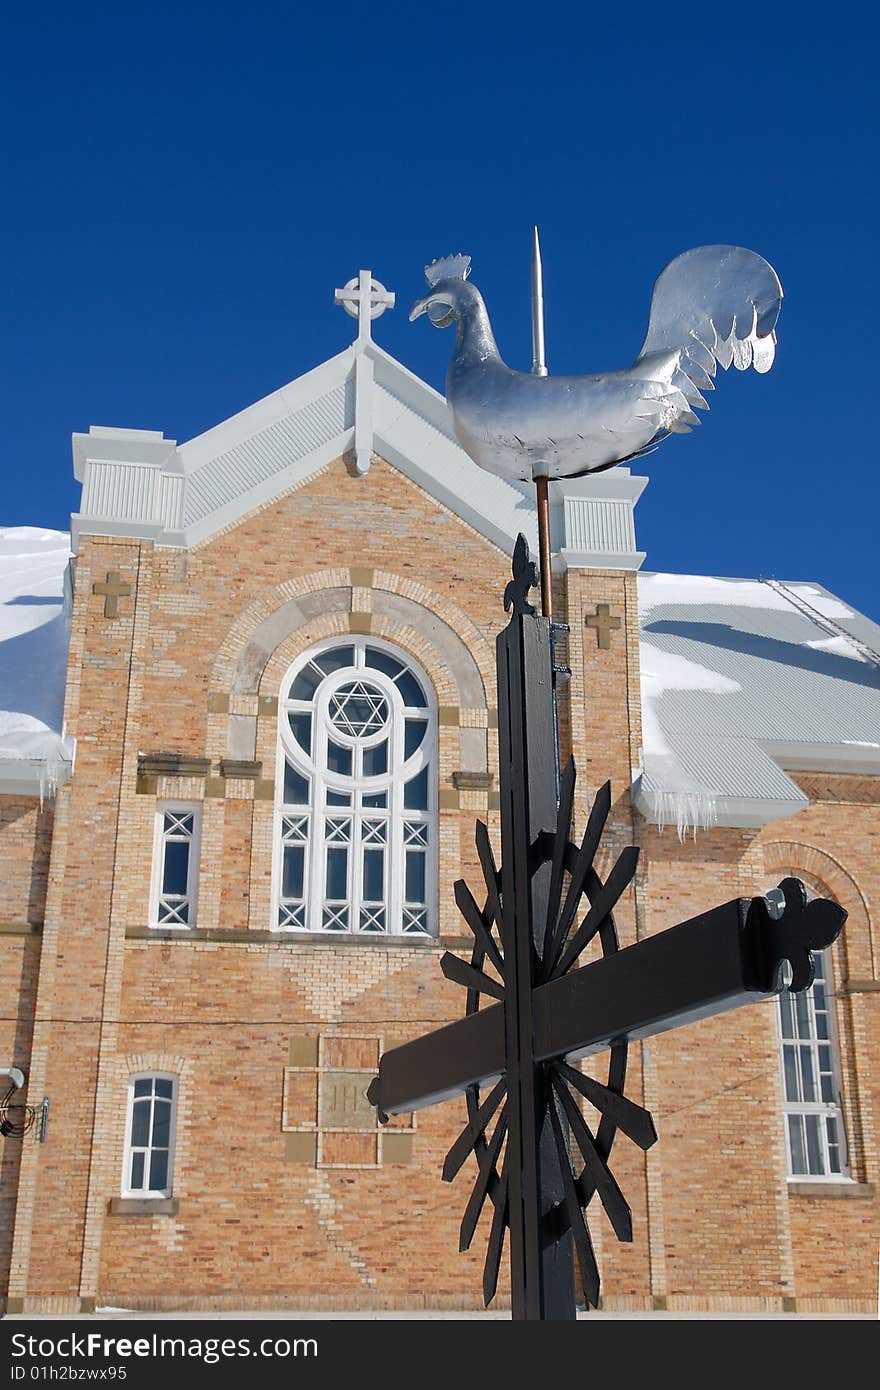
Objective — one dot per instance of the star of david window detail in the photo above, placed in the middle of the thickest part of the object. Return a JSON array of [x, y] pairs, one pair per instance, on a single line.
[[358, 710], [356, 840]]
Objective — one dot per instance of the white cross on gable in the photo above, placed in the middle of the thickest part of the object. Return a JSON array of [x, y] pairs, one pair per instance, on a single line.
[[364, 299]]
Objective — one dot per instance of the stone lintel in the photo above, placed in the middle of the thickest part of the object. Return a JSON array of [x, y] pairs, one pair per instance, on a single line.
[[233, 767], [472, 781], [172, 765]]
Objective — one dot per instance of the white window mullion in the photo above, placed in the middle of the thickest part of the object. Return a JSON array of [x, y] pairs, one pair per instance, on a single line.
[[319, 816], [396, 837]]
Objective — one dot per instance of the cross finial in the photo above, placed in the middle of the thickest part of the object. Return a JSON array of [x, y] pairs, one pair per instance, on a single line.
[[364, 299]]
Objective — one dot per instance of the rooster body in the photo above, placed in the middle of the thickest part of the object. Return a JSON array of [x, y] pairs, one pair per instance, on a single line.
[[715, 304]]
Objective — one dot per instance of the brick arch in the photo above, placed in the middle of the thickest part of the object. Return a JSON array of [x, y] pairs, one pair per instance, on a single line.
[[334, 625], [825, 874], [321, 603], [154, 1061], [457, 745]]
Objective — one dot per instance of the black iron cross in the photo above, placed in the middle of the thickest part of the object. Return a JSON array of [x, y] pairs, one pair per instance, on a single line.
[[526, 942]]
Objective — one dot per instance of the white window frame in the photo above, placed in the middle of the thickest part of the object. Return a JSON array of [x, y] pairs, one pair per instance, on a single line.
[[315, 821], [130, 1149], [803, 1014], [160, 839]]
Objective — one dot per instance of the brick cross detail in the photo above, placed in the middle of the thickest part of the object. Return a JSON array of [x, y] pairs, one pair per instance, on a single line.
[[604, 624], [113, 588]]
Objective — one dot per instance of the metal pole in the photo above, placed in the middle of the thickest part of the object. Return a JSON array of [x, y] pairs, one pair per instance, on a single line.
[[539, 368], [544, 548], [541, 1268]]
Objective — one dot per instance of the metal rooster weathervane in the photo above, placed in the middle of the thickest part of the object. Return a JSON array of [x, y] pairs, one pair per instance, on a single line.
[[715, 304], [530, 1013]]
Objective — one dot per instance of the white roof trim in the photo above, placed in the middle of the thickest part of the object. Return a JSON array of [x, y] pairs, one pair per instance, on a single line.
[[846, 756], [39, 777]]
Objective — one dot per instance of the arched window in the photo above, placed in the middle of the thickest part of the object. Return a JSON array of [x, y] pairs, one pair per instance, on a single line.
[[149, 1135], [815, 1143], [356, 798]]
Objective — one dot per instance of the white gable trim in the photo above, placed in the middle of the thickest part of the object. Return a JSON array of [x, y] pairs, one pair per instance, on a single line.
[[137, 483]]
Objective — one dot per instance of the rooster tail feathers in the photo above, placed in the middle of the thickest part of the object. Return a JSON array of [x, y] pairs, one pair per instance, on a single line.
[[715, 305]]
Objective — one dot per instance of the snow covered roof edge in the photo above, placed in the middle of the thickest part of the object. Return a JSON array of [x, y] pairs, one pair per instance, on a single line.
[[35, 601]]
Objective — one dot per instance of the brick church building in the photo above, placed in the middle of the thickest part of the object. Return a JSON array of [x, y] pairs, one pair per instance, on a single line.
[[244, 737]]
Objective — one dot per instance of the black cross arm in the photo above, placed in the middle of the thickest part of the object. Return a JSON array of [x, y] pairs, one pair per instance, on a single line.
[[726, 957], [717, 961], [440, 1065]]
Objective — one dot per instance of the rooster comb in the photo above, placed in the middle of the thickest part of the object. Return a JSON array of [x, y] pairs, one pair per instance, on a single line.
[[456, 267]]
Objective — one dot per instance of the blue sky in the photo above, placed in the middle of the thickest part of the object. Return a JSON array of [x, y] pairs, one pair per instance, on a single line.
[[185, 185]]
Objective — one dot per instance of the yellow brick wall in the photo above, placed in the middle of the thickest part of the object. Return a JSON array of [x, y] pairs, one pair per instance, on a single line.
[[195, 657]]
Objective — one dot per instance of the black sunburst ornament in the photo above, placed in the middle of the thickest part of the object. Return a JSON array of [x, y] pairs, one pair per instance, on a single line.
[[562, 1087]]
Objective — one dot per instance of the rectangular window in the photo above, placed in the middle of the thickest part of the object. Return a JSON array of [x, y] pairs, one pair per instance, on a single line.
[[149, 1136], [175, 871], [811, 1104]]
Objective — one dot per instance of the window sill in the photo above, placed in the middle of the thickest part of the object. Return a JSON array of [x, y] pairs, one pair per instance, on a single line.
[[246, 936], [144, 1206], [863, 1191]]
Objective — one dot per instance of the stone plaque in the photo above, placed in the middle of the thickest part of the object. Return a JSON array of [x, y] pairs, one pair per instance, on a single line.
[[343, 1101]]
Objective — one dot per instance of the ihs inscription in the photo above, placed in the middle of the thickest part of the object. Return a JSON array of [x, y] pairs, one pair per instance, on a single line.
[[343, 1101]]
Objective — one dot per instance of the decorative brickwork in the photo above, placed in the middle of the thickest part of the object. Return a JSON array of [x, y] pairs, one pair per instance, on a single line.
[[325, 1113]]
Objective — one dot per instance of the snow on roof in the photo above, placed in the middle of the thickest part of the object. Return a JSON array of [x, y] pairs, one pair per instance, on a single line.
[[744, 681], [656, 590], [34, 632]]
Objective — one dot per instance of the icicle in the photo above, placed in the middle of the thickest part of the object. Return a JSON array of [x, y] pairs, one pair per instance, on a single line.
[[686, 810]]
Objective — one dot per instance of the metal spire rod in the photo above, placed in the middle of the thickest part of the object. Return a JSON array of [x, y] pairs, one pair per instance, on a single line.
[[539, 368], [539, 361]]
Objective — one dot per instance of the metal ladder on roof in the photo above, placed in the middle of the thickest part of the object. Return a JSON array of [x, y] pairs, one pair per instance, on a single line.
[[827, 624]]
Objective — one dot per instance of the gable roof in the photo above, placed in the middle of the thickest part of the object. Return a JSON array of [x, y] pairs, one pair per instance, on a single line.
[[743, 682]]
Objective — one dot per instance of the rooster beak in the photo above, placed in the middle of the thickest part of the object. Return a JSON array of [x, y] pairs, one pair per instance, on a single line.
[[419, 308]]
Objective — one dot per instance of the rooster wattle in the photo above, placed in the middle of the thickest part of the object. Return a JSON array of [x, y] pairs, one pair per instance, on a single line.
[[715, 304]]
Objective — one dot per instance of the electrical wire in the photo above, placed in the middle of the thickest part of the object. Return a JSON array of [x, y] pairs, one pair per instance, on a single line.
[[14, 1128]]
